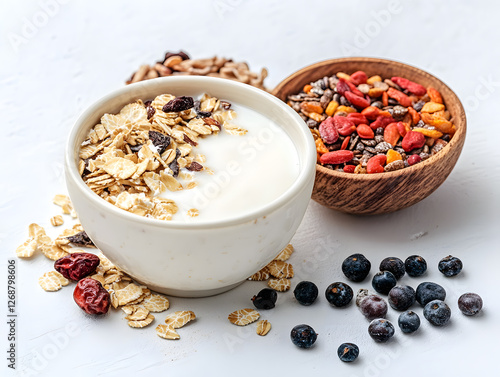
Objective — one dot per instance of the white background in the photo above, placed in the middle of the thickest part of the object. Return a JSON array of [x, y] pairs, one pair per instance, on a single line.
[[55, 61]]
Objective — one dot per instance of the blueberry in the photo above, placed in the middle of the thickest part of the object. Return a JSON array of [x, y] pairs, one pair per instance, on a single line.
[[373, 306], [339, 294], [401, 297], [394, 265], [415, 265], [450, 266], [303, 336], [427, 291], [356, 267], [265, 299], [348, 352], [306, 292], [470, 303], [409, 322], [381, 330], [383, 281], [437, 312]]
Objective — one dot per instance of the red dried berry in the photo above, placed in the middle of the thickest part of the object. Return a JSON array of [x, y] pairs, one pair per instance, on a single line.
[[414, 159], [356, 100], [357, 118], [411, 86], [413, 140], [381, 121], [179, 104], [353, 89], [359, 77], [344, 126], [376, 164], [91, 296], [336, 157], [77, 265], [349, 168], [328, 131], [342, 87]]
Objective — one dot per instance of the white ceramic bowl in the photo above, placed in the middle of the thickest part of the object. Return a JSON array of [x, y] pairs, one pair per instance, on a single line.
[[195, 259]]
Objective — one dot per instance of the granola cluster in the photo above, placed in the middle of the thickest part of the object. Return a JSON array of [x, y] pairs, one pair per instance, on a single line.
[[131, 157]]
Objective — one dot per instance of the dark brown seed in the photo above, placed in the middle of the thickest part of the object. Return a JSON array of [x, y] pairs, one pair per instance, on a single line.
[[81, 239], [159, 140], [180, 103], [195, 166]]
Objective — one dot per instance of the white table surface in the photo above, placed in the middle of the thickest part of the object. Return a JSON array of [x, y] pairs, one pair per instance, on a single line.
[[76, 51]]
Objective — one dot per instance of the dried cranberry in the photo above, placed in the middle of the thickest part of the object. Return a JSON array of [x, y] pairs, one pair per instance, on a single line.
[[159, 140], [91, 296], [77, 265], [179, 104]]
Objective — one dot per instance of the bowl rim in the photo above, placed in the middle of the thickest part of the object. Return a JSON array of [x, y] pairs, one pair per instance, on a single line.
[[302, 180], [457, 138]]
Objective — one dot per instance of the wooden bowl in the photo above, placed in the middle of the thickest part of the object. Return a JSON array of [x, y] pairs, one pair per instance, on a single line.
[[370, 194]]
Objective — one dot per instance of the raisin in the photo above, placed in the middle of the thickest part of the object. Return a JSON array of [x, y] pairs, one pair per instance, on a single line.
[[203, 114], [212, 122], [76, 266], [179, 104], [160, 141], [195, 166], [91, 296], [189, 141], [225, 105], [151, 111], [135, 148], [81, 239], [174, 165]]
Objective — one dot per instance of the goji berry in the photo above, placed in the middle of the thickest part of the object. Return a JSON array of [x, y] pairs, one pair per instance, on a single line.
[[365, 132], [349, 168], [376, 164], [402, 98], [343, 125], [381, 121], [328, 131], [353, 89], [358, 77], [357, 118], [371, 112], [413, 140], [411, 86], [403, 128], [414, 159], [337, 157], [357, 100], [342, 87], [345, 143]]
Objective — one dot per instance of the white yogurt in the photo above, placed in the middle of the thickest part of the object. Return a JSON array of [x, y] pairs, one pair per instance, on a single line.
[[250, 170]]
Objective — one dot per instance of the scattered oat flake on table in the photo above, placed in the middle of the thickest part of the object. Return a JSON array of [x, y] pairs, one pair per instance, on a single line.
[[178, 319], [61, 200], [130, 293], [156, 303], [243, 317], [36, 231], [27, 249], [285, 253], [263, 327], [56, 220], [280, 269], [142, 323], [280, 285], [138, 314], [52, 251], [261, 275], [167, 332], [52, 281]]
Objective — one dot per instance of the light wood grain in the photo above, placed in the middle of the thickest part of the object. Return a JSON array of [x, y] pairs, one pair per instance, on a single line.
[[370, 194]]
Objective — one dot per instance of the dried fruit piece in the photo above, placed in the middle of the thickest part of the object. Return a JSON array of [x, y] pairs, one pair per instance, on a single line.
[[263, 327], [280, 285], [413, 140], [391, 134], [76, 266], [243, 317], [159, 140], [337, 157], [91, 296], [402, 98], [434, 95], [356, 100], [365, 132], [180, 103], [311, 106], [358, 77], [411, 86], [285, 254], [328, 131], [376, 164], [280, 269], [432, 107]]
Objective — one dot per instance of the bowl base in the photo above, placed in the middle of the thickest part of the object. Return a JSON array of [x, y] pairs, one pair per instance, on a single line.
[[192, 293]]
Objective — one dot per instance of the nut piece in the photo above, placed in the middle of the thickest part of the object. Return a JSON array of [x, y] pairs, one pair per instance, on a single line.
[[263, 327], [243, 317]]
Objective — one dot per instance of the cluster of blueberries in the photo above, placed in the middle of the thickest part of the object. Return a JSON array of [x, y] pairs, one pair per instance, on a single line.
[[400, 297]]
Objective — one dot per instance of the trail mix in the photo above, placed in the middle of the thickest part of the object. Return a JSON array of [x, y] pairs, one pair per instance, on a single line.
[[179, 63], [371, 125], [130, 158]]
